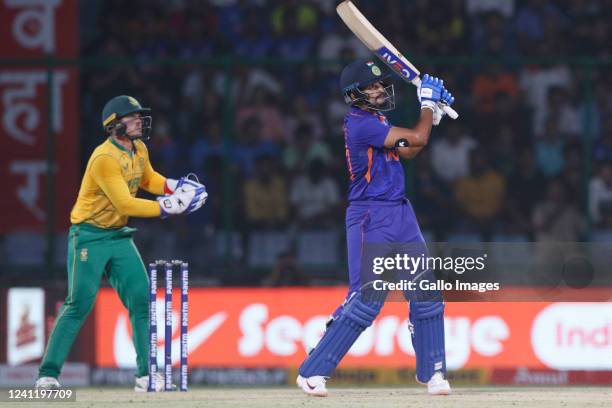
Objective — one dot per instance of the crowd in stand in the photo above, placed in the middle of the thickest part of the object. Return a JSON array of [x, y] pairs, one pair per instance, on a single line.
[[529, 159]]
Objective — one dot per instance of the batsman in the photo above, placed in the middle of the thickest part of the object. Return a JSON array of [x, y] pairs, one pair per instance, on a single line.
[[101, 244], [379, 216]]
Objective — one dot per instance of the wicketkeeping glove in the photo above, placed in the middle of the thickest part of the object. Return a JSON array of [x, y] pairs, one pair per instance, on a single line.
[[190, 180], [183, 201]]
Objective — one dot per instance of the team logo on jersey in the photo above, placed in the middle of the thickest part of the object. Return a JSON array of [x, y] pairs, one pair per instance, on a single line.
[[84, 255], [376, 71]]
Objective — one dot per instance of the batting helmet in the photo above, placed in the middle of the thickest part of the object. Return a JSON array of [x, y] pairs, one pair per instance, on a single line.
[[361, 73]]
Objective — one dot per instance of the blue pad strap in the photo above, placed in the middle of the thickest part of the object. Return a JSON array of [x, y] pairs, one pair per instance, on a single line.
[[427, 319], [357, 314]]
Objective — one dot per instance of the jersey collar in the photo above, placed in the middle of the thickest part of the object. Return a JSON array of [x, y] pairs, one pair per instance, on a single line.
[[360, 112], [355, 111], [117, 145]]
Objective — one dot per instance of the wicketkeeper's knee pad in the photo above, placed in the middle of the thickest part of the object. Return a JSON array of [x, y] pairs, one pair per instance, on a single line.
[[357, 315], [427, 320]]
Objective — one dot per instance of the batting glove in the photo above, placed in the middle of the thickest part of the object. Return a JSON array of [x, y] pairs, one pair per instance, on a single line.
[[430, 91], [446, 98]]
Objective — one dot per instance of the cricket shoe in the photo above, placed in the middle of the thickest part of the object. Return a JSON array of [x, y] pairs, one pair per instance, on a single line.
[[438, 385], [142, 383], [314, 385], [47, 383]]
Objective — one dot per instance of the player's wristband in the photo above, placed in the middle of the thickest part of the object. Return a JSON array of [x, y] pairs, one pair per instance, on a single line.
[[428, 105], [402, 143]]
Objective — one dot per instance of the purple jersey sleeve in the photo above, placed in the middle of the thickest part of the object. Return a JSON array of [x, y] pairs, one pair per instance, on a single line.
[[371, 132]]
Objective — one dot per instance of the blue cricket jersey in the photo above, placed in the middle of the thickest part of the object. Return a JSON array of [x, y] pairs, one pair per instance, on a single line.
[[375, 171]]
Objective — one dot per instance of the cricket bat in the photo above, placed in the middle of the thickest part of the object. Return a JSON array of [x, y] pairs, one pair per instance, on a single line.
[[377, 43]]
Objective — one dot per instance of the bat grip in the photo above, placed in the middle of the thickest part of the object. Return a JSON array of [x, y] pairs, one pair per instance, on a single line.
[[450, 112], [447, 109]]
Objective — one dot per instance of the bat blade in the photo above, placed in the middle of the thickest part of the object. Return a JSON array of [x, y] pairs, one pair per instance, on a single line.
[[384, 50]]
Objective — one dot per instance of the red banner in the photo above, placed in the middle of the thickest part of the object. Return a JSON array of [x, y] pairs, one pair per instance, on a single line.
[[273, 327], [34, 28], [32, 101]]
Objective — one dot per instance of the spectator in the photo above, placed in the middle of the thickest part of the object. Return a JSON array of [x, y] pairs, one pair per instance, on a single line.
[[549, 150], [250, 146], [492, 35], [338, 42], [303, 114], [503, 149], [193, 85], [525, 188], [600, 197], [195, 41], [253, 41], [255, 79], [307, 84], [492, 81], [334, 111], [294, 14], [556, 218], [567, 115], [573, 169], [590, 30], [448, 24], [263, 106], [231, 17], [532, 20], [535, 82], [450, 155], [432, 203], [504, 8], [603, 147], [480, 195], [298, 155], [597, 111], [163, 149], [265, 196], [315, 197], [211, 107], [286, 272], [186, 118], [212, 175], [506, 110], [210, 144], [291, 41]]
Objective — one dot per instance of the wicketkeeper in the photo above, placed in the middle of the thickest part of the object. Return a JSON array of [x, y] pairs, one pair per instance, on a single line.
[[100, 243]]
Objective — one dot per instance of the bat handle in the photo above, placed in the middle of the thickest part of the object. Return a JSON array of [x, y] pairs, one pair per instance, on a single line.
[[450, 112], [447, 109]]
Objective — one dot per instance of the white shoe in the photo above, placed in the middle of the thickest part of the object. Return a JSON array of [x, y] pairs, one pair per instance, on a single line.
[[314, 385], [47, 383], [438, 385], [142, 383]]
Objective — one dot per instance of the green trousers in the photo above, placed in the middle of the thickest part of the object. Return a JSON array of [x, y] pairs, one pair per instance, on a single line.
[[92, 253]]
